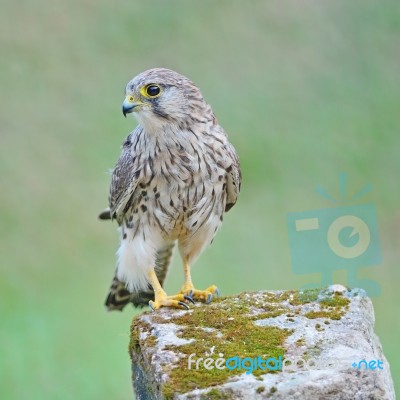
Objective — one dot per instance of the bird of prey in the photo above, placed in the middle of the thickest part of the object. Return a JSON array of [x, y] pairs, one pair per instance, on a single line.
[[176, 176]]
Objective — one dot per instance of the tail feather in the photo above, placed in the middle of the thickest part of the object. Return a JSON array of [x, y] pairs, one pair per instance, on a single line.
[[105, 214], [119, 296]]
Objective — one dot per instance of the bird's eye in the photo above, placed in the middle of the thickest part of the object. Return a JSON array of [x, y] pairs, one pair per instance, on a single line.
[[153, 90]]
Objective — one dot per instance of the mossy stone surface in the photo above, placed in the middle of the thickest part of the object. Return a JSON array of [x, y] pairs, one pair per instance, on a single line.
[[267, 324]]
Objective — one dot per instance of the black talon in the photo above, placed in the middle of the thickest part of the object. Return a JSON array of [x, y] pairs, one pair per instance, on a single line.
[[191, 294], [209, 298], [188, 298], [181, 303], [152, 308]]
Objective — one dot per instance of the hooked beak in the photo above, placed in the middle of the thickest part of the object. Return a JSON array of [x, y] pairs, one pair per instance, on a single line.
[[129, 105]]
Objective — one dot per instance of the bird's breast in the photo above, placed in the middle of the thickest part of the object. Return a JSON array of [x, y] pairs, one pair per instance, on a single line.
[[181, 184]]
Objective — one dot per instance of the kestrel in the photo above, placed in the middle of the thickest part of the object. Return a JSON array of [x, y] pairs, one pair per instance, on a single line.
[[176, 176]]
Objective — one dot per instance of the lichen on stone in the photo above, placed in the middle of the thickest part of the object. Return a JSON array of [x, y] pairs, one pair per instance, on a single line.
[[247, 326], [238, 336]]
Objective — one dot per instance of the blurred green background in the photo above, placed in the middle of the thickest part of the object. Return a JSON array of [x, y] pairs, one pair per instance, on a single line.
[[305, 89]]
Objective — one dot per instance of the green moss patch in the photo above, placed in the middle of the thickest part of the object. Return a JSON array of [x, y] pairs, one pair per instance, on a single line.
[[138, 326], [215, 394], [332, 306], [233, 334], [305, 296], [226, 326], [226, 329]]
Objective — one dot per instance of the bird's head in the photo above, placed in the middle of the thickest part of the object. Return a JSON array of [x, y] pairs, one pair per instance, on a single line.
[[159, 96]]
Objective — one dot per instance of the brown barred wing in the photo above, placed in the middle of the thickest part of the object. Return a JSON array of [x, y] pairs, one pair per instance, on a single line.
[[124, 178], [234, 178]]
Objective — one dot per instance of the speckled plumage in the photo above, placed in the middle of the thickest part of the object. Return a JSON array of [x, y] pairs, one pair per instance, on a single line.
[[176, 176]]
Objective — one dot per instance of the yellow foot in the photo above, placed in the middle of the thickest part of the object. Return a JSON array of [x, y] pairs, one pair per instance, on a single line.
[[205, 296], [177, 301]]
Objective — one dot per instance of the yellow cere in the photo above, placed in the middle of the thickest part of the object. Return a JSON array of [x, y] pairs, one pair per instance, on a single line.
[[130, 99]]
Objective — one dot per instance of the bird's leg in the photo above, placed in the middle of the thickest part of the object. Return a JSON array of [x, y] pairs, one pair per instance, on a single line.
[[161, 299], [189, 290]]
